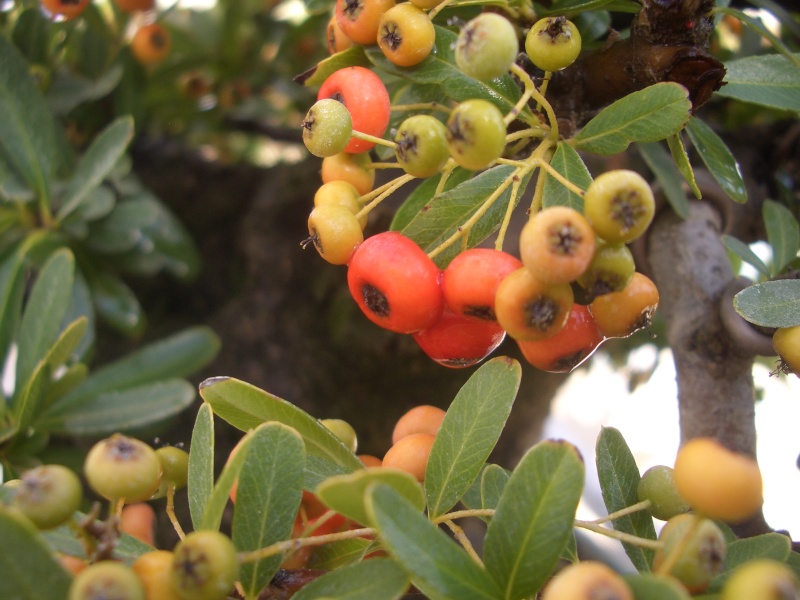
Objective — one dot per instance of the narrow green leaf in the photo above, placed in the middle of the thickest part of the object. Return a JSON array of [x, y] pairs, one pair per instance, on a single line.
[[783, 234], [774, 546], [11, 293], [441, 569], [667, 175], [744, 252], [649, 115], [63, 348], [757, 25], [423, 194], [375, 579], [681, 158], [201, 464], [245, 406], [32, 35], [122, 229], [121, 410], [648, 586], [318, 469], [68, 89], [44, 311], [30, 569], [218, 500], [345, 493], [98, 161], [69, 379], [770, 304], [27, 403], [720, 162], [534, 518], [619, 479], [335, 555], [486, 491], [268, 496], [469, 432], [569, 164], [316, 76], [116, 303]]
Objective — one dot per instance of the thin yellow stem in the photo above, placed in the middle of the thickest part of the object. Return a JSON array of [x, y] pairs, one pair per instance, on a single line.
[[501, 235], [369, 196], [462, 539], [540, 99], [447, 170], [421, 106], [463, 514], [381, 197], [116, 507], [371, 138], [520, 164], [619, 535], [561, 179], [525, 133], [538, 193], [385, 165], [297, 543], [435, 10], [526, 94], [643, 505], [173, 518]]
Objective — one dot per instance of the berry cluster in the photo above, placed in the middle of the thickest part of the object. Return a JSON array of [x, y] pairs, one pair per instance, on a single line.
[[460, 312]]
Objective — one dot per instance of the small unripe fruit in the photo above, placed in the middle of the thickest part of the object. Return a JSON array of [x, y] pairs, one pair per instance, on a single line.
[[658, 485], [786, 342], [587, 580], [123, 467], [335, 232], [762, 579], [406, 35], [204, 566], [48, 495], [174, 468], [486, 46], [421, 145], [619, 205], [327, 128], [702, 555], [342, 430], [355, 169], [106, 579], [410, 454], [553, 43], [476, 134]]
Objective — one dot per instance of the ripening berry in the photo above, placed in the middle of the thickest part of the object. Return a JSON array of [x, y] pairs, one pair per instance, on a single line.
[[476, 134], [360, 19], [420, 419], [658, 485], [486, 46], [335, 233], [620, 314], [174, 466], [342, 193], [421, 148], [48, 495], [368, 460], [587, 580], [410, 454], [138, 520], [151, 44], [327, 128], [66, 9], [553, 43], [122, 467], [701, 557], [336, 38], [611, 269], [106, 579], [406, 35], [342, 430], [786, 342], [204, 566], [762, 579], [154, 570], [355, 169], [619, 205]]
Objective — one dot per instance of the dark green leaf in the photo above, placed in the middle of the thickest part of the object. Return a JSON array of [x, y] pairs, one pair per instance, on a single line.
[[619, 479], [201, 464], [469, 432], [64, 347], [648, 586], [352, 57], [681, 158], [375, 579], [335, 555], [667, 175], [215, 503], [116, 303], [319, 469], [569, 7], [783, 234], [30, 569], [534, 518], [69, 379], [744, 252], [423, 194], [122, 229], [268, 495], [720, 162], [245, 406], [31, 36], [569, 164], [31, 396], [441, 569], [345, 493], [11, 292], [69, 90], [649, 115], [770, 304], [774, 546]]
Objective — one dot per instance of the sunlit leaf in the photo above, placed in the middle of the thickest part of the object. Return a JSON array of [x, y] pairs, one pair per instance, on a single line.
[[783, 234], [744, 252], [200, 484], [771, 303], [648, 586], [720, 162], [773, 546], [667, 175], [569, 164]]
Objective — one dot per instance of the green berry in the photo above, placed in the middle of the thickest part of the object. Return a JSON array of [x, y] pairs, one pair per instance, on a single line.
[[476, 134], [204, 566], [486, 47], [610, 270], [174, 469], [421, 145], [327, 128], [106, 580], [620, 206], [344, 431], [658, 485], [48, 495], [121, 467], [553, 43], [335, 232]]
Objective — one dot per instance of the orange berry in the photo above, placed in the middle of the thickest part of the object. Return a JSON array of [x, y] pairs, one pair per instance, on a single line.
[[154, 570], [620, 314], [359, 19], [151, 44], [134, 5], [68, 9], [420, 419], [370, 461], [138, 520], [587, 580], [73, 564], [336, 38], [352, 168], [410, 454]]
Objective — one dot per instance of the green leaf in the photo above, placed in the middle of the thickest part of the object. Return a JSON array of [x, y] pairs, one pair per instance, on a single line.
[[569, 164], [770, 304], [245, 406], [95, 165], [469, 432], [116, 303], [316, 76], [744, 252], [29, 135], [774, 546], [534, 518], [649, 115], [318, 469], [447, 212], [44, 311], [667, 175], [619, 479], [681, 158], [783, 234], [215, 503], [441, 569], [720, 162], [63, 539], [335, 555], [201, 464], [122, 229], [64, 347], [375, 579], [423, 194], [30, 569], [32, 34], [69, 89], [268, 495], [648, 586], [345, 493], [485, 492], [122, 410], [11, 292]]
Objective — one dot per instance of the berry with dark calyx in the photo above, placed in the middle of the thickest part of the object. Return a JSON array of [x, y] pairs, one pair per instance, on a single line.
[[48, 495], [762, 579], [421, 148], [553, 43], [344, 431], [702, 555], [121, 467], [587, 580], [154, 570], [476, 134], [406, 35], [458, 342], [658, 485], [174, 469], [557, 244], [786, 342], [205, 566], [341, 193], [336, 38], [611, 269], [717, 482], [104, 580], [335, 233], [355, 169], [134, 5], [366, 98], [567, 349], [359, 19], [410, 454], [420, 419], [619, 205], [529, 309], [395, 284], [66, 9], [327, 128], [151, 44], [486, 46], [470, 281], [620, 314]]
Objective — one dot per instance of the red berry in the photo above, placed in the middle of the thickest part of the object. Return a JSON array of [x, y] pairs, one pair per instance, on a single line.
[[456, 341], [567, 349], [395, 283], [365, 96]]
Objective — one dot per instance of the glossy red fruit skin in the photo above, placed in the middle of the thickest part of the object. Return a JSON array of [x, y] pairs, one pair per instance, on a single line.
[[395, 284], [567, 349], [469, 282], [365, 96], [455, 341]]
